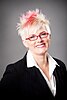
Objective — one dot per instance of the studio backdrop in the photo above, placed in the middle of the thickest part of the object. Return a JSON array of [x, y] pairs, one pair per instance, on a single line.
[[11, 47]]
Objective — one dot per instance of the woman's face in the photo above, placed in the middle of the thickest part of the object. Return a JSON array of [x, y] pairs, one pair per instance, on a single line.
[[40, 45]]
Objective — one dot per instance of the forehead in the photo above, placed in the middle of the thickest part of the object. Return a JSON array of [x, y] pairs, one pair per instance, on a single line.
[[37, 29], [41, 29]]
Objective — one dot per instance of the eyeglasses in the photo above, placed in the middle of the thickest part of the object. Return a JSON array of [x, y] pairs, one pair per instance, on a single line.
[[34, 37]]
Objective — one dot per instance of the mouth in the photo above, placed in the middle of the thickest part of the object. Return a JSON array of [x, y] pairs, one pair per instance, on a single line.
[[41, 45]]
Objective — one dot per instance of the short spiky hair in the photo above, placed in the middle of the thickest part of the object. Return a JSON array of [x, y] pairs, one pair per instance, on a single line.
[[32, 21]]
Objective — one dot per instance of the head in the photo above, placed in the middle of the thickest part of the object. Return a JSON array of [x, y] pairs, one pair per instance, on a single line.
[[34, 31]]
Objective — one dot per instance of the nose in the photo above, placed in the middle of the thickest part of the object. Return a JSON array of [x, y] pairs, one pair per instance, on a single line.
[[39, 39]]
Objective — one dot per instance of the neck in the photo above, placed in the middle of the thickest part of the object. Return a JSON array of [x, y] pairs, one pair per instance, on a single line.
[[43, 63], [41, 60]]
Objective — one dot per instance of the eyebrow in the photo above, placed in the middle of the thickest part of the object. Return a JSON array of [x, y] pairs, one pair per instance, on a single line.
[[43, 32], [39, 33]]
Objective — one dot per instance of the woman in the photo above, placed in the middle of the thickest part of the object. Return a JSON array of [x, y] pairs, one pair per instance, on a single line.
[[37, 74]]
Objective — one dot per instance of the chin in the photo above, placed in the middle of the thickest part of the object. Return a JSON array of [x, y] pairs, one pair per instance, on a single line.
[[41, 52]]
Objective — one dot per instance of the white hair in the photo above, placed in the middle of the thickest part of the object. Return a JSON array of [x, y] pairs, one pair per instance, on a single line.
[[31, 22]]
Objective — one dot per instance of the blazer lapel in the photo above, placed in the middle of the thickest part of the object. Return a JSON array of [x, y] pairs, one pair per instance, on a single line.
[[59, 81]]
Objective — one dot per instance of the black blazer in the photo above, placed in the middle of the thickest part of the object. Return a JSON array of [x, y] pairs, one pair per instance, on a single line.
[[21, 82]]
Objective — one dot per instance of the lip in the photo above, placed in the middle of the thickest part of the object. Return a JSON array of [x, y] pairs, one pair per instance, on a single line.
[[40, 45]]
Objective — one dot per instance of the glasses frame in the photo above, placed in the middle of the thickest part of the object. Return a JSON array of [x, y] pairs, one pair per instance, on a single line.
[[46, 34]]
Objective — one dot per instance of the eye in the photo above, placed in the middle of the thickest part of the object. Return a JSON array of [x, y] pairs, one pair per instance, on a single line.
[[33, 36], [44, 33]]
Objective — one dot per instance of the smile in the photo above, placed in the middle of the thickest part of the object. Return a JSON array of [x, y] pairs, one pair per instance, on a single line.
[[41, 45]]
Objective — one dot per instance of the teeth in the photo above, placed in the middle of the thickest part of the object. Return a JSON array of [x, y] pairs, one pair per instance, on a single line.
[[40, 45]]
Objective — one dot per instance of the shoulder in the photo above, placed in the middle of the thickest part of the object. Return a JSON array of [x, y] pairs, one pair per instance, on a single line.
[[17, 66], [61, 64]]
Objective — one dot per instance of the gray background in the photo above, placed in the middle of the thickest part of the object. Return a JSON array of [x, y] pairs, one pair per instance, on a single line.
[[11, 47]]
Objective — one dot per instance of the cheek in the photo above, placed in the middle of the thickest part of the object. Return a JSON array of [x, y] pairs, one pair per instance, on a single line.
[[47, 42], [30, 45], [48, 39]]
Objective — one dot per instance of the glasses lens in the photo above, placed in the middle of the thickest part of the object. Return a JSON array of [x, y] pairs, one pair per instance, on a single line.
[[34, 37], [43, 35]]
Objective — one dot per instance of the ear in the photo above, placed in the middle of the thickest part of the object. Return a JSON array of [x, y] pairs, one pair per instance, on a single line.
[[50, 36], [25, 43]]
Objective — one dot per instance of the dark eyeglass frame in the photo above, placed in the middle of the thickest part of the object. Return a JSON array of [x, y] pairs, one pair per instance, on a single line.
[[35, 37]]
